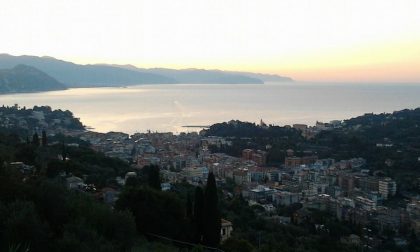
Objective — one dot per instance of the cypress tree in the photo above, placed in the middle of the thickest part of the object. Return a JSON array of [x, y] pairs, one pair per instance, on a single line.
[[44, 138], [189, 210], [153, 177], [198, 213], [212, 221], [35, 139], [63, 151]]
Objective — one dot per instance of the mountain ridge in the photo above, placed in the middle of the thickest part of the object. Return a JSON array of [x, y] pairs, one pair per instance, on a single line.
[[23, 78], [95, 75], [75, 75], [260, 76]]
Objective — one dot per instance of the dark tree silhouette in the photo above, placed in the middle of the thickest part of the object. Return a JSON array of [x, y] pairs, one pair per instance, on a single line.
[[63, 151], [152, 176], [44, 138], [198, 212], [189, 207], [212, 221], [155, 212], [35, 139]]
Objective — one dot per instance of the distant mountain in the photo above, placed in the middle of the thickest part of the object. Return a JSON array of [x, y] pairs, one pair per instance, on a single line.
[[75, 75], [266, 77], [201, 76], [193, 75], [24, 78]]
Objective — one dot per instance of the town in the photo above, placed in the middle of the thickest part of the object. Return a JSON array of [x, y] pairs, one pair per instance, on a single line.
[[346, 189]]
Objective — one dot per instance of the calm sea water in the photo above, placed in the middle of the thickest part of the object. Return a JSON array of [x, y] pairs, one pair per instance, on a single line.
[[169, 107]]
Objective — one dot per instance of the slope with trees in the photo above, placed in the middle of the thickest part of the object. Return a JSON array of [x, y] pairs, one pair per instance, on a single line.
[[23, 78]]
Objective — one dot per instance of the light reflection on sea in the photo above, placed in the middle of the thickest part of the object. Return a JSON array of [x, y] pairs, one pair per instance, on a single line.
[[169, 107]]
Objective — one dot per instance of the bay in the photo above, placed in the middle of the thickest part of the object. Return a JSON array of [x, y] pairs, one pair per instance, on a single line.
[[169, 107]]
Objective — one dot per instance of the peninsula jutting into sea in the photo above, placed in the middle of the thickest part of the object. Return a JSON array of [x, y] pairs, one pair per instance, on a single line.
[[31, 73], [210, 126]]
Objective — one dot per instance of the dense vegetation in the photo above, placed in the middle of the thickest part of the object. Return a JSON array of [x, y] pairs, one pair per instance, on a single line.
[[398, 132], [39, 213], [240, 129], [398, 136], [254, 231], [22, 120], [274, 139]]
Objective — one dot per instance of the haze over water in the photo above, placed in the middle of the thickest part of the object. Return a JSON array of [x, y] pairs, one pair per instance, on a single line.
[[169, 107]]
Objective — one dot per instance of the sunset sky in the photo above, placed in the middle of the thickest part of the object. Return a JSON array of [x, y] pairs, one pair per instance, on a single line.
[[318, 40]]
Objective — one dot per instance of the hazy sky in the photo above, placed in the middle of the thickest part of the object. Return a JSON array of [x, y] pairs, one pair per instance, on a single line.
[[320, 40]]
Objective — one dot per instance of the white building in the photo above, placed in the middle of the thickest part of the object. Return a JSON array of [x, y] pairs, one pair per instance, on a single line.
[[387, 187], [365, 203], [226, 229]]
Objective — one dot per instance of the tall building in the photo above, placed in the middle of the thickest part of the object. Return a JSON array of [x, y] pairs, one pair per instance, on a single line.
[[247, 154], [259, 156], [292, 162], [387, 187], [346, 182], [367, 183]]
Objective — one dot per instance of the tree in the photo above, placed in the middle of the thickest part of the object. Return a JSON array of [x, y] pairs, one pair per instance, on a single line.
[[152, 174], [63, 151], [198, 212], [189, 207], [132, 182], [237, 245], [35, 139], [154, 178], [26, 153], [212, 221], [155, 212], [44, 138], [21, 225]]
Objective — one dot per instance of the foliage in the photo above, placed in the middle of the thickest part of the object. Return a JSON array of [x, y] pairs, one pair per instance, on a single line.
[[38, 213], [198, 218], [44, 138], [151, 175], [246, 135], [23, 78], [45, 216], [212, 221], [251, 130], [237, 245], [155, 212]]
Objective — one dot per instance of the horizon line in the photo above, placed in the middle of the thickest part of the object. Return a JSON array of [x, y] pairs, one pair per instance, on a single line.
[[292, 79]]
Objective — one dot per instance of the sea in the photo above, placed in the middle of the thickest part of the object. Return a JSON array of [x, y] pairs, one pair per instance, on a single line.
[[170, 107]]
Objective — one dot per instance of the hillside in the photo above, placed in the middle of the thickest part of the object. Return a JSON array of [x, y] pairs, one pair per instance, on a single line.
[[265, 77], [388, 141], [76, 75], [194, 75], [24, 78], [201, 76]]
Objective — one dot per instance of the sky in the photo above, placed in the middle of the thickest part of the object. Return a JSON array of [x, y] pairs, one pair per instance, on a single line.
[[318, 40]]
